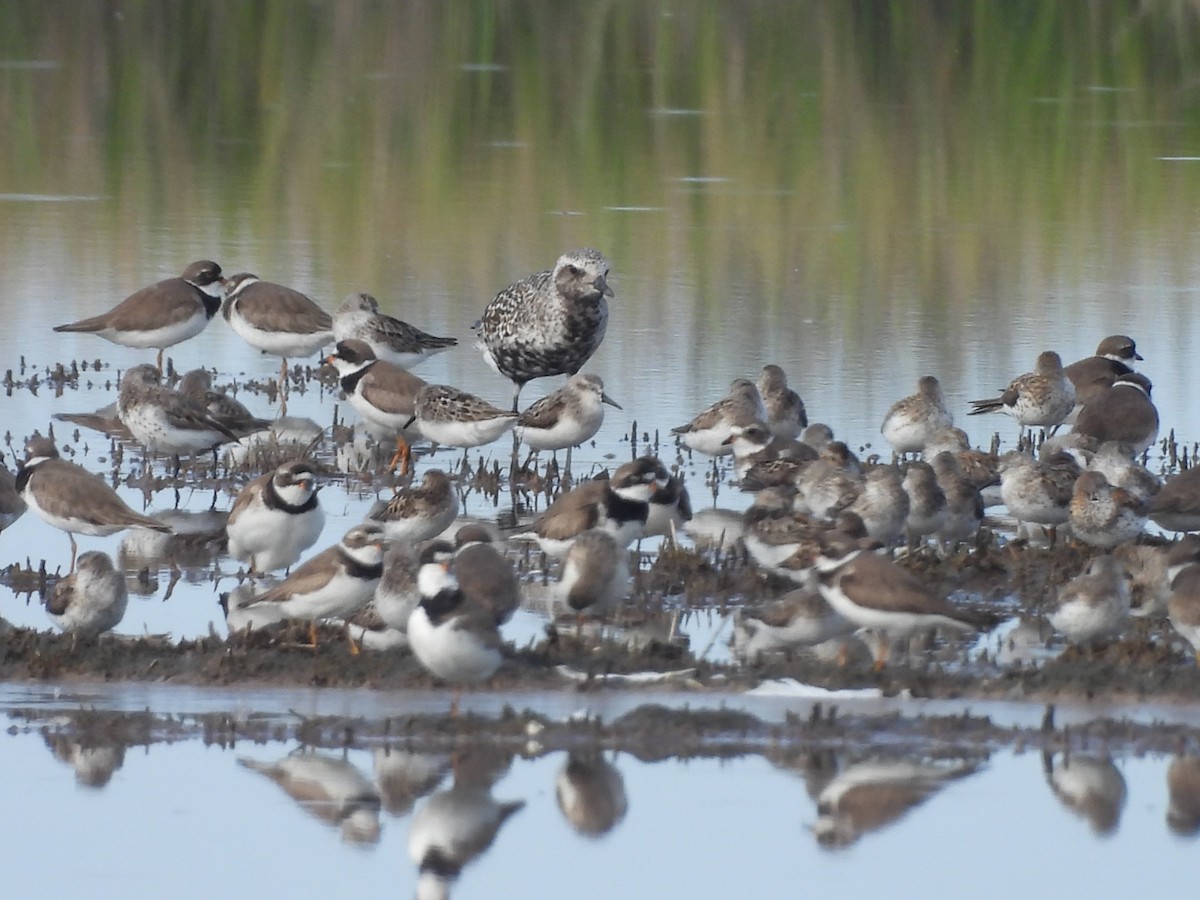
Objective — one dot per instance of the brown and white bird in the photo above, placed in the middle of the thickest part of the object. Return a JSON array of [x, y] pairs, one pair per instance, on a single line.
[[276, 517], [334, 583], [1093, 375], [12, 507], [590, 792], [276, 320], [549, 323], [486, 578], [392, 340], [163, 314], [1093, 605], [1124, 413], [383, 394], [454, 418], [165, 421], [910, 421], [1102, 515], [90, 600], [926, 502], [964, 503], [197, 384], [1183, 606], [799, 618], [708, 432], [786, 416], [420, 512], [1176, 507], [72, 499], [595, 574], [1043, 397], [1038, 491], [1089, 785], [567, 417]]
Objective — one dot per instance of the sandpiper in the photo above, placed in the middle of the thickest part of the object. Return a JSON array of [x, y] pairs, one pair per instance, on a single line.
[[276, 517], [882, 505], [335, 582], [566, 418], [162, 314], [830, 484], [71, 498], [276, 320], [383, 394], [799, 618], [1116, 463], [964, 504], [1038, 491], [1183, 606], [12, 507], [873, 592], [910, 421], [775, 532], [1089, 785], [708, 431], [91, 599], [449, 416], [197, 385], [486, 578], [1123, 413], [166, 421], [979, 467], [590, 792], [420, 512], [392, 340], [1149, 585], [1093, 375], [926, 502], [549, 323], [1043, 397], [1093, 605], [595, 574], [786, 415], [1177, 506], [619, 504], [1102, 515], [755, 446], [452, 639], [397, 594]]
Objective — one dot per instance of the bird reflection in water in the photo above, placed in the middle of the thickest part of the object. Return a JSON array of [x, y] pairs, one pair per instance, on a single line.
[[590, 793], [1089, 785], [94, 764]]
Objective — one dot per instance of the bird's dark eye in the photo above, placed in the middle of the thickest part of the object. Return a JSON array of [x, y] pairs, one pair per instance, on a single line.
[[574, 270]]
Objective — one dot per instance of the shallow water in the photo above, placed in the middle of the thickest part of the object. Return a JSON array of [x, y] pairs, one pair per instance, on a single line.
[[863, 196]]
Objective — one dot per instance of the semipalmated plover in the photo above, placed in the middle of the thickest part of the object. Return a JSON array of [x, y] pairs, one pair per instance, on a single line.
[[197, 384], [241, 613], [162, 314], [619, 504], [383, 394], [786, 415], [276, 517], [595, 574], [486, 578], [670, 504], [873, 592], [1177, 506], [335, 582], [72, 499], [1102, 515], [1089, 785], [1093, 375], [549, 323], [330, 788], [590, 792], [1123, 413], [417, 513], [1094, 604], [708, 432], [166, 421], [397, 342], [452, 417], [566, 418], [91, 599], [926, 502], [453, 640], [910, 421], [1043, 397], [882, 504], [276, 320]]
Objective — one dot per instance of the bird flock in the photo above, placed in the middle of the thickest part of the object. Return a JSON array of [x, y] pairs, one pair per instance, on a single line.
[[821, 519]]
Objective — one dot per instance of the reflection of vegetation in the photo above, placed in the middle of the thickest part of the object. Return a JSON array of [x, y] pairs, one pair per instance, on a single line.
[[938, 141]]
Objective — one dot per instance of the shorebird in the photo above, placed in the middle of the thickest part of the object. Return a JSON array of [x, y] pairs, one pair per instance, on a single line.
[[419, 512], [276, 320], [486, 578], [979, 467], [882, 504], [397, 594], [12, 507], [71, 498], [1183, 606], [1102, 515], [1089, 785], [670, 503], [1123, 413], [445, 415], [566, 418], [332, 584], [799, 618], [590, 792], [708, 431], [392, 340], [964, 503], [163, 314], [197, 385], [166, 421], [760, 458], [910, 421], [383, 394], [873, 592], [1038, 491], [1093, 375], [1177, 506], [1093, 605], [549, 323], [90, 600], [1043, 397], [786, 416], [242, 615], [595, 574], [276, 517], [1116, 463], [1183, 792], [926, 502], [831, 483]]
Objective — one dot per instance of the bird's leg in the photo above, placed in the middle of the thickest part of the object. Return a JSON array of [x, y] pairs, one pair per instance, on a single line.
[[158, 361], [454, 703], [516, 393], [283, 387], [403, 456], [74, 550], [312, 634], [353, 645]]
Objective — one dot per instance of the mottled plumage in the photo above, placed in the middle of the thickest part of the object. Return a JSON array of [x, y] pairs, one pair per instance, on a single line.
[[166, 421], [392, 340], [446, 415], [1042, 397]]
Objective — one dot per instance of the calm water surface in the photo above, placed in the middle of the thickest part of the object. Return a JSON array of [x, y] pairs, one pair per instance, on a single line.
[[861, 194]]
